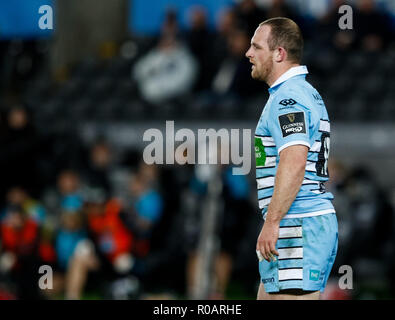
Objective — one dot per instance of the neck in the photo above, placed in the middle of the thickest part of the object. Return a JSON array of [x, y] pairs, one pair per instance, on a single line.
[[279, 71]]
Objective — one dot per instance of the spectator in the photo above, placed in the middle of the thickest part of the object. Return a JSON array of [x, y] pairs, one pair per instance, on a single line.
[[149, 174], [231, 221], [226, 24], [372, 27], [99, 166], [110, 257], [237, 212], [145, 208], [67, 241], [200, 42], [68, 184], [250, 15], [71, 231], [166, 72], [21, 253], [232, 81], [330, 35], [18, 147], [365, 221], [279, 8], [109, 233], [337, 185], [170, 24], [34, 209], [371, 217]]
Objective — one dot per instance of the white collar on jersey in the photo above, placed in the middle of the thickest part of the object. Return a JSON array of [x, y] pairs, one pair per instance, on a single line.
[[294, 71]]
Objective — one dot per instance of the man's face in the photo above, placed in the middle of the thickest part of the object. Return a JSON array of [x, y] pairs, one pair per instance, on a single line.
[[15, 219], [68, 182], [260, 55]]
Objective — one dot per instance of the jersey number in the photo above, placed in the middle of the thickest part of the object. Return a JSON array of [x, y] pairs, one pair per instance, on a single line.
[[323, 155]]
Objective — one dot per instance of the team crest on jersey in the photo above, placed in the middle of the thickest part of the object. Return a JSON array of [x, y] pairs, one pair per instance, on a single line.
[[287, 102], [291, 123]]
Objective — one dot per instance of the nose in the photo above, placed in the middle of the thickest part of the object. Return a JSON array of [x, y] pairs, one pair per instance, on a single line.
[[248, 53]]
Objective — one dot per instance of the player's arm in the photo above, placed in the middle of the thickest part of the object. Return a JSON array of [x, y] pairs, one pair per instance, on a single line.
[[289, 178]]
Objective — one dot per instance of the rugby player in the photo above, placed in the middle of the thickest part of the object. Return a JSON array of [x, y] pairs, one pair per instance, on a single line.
[[297, 245]]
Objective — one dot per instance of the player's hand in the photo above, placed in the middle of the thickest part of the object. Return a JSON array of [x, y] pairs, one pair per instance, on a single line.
[[267, 239]]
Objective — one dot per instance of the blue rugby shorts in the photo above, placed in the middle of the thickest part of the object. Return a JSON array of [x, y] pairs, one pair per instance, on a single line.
[[307, 250]]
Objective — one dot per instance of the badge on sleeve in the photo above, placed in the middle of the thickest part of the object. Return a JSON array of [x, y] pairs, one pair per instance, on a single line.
[[260, 154], [291, 123]]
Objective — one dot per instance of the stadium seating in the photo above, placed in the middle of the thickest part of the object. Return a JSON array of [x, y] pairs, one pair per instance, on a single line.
[[355, 86]]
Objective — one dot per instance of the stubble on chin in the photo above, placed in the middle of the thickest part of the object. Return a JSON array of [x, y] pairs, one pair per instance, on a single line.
[[257, 76]]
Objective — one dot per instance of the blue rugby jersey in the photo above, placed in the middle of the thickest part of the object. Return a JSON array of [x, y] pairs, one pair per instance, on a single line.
[[294, 114]]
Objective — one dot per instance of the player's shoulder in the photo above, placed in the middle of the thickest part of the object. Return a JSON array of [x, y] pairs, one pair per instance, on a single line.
[[296, 92]]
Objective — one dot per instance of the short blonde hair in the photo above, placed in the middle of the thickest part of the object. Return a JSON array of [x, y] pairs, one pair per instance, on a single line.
[[285, 33]]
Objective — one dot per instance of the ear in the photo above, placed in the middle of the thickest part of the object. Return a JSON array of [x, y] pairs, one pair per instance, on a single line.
[[280, 55]]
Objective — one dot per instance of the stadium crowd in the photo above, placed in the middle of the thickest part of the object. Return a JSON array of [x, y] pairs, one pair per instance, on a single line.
[[64, 204], [95, 236], [212, 65]]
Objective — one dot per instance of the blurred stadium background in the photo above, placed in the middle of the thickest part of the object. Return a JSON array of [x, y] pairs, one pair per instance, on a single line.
[[76, 100]]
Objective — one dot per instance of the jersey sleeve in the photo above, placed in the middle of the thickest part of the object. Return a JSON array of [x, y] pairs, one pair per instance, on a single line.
[[289, 122]]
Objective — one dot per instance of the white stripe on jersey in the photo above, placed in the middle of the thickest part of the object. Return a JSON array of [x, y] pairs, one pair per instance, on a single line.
[[305, 215], [271, 162], [290, 274], [293, 143], [290, 232], [325, 126], [316, 147], [290, 253], [310, 182], [310, 166], [264, 202], [265, 182], [268, 182], [309, 214]]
